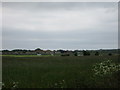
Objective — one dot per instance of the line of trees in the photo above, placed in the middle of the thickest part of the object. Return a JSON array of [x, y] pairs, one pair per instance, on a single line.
[[62, 52]]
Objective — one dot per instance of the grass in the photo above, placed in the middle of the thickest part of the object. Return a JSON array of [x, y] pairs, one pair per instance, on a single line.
[[54, 72], [26, 55]]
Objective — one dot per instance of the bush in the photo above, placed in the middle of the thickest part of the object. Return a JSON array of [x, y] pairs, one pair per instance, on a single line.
[[65, 55], [110, 54], [75, 54], [86, 53], [97, 54]]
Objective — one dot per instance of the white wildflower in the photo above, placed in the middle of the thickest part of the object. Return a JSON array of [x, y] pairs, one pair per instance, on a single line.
[[105, 67]]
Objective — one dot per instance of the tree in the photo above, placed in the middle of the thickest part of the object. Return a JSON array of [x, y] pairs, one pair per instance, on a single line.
[[86, 53], [61, 51], [38, 49], [5, 50], [75, 54], [96, 53], [110, 54]]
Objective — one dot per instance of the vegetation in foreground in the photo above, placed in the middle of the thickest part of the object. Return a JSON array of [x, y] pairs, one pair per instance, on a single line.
[[57, 72]]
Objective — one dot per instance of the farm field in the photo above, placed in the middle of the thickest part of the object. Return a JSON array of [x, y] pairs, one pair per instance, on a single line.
[[55, 72], [26, 55]]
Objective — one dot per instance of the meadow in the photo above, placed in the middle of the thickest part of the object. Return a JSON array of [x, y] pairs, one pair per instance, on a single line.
[[55, 72]]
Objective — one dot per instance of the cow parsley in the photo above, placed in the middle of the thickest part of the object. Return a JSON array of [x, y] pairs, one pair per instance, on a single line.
[[105, 68]]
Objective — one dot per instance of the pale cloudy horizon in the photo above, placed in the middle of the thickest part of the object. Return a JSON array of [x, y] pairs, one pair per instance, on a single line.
[[60, 25]]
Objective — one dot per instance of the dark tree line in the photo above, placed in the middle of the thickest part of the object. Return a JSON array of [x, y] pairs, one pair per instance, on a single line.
[[62, 52]]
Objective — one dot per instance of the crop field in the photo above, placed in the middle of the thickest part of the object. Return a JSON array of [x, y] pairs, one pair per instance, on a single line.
[[56, 72]]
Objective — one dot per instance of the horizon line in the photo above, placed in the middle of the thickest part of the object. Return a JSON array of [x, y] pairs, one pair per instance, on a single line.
[[60, 49]]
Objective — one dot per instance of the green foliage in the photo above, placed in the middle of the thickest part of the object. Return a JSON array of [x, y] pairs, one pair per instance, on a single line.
[[75, 54], [37, 49], [110, 54], [65, 55], [96, 53], [86, 53]]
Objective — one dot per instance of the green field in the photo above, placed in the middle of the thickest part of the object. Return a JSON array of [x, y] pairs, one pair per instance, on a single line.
[[27, 55], [55, 72]]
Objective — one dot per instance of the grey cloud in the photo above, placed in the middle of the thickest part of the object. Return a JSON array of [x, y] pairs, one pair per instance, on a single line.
[[57, 40], [102, 34], [57, 5]]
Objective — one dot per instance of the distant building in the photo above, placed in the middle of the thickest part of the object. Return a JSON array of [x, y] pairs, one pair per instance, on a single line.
[[56, 52], [39, 54]]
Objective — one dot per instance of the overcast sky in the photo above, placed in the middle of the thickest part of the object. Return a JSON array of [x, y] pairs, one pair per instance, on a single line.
[[60, 25]]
